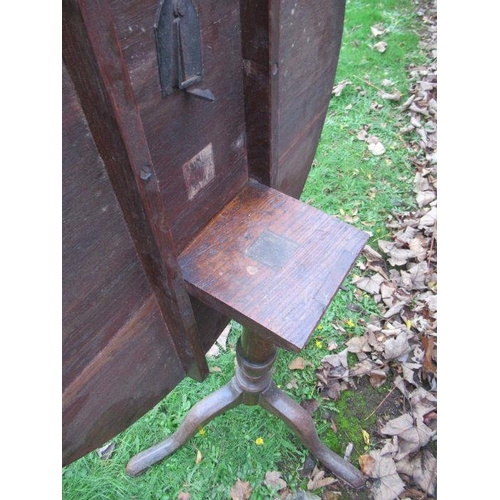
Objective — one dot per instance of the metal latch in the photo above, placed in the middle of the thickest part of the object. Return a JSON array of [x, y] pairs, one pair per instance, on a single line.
[[178, 46]]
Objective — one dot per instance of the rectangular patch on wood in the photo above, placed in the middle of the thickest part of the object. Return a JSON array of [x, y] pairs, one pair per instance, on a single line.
[[272, 250], [199, 171]]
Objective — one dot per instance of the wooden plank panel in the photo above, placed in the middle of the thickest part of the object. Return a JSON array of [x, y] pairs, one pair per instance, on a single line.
[[290, 56], [272, 263], [134, 371], [93, 56], [118, 358], [260, 52], [182, 131], [103, 281], [310, 37]]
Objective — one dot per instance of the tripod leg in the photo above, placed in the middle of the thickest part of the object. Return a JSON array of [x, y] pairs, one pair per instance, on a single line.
[[278, 403], [202, 412]]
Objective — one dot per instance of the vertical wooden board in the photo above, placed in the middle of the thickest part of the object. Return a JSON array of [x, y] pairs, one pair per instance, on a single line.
[[256, 18], [103, 281], [309, 45], [198, 148], [290, 56], [94, 56], [118, 357], [294, 164]]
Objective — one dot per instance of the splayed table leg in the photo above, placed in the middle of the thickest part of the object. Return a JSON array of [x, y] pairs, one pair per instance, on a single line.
[[251, 385], [202, 412]]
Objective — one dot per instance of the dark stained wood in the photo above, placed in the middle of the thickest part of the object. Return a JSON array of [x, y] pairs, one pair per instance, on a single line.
[[147, 179], [131, 374], [118, 356], [272, 263], [290, 52], [309, 46], [103, 281], [93, 56], [186, 134], [260, 22]]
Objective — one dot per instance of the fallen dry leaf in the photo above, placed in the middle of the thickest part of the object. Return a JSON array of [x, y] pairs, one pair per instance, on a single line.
[[409, 373], [199, 456], [241, 490], [429, 219], [414, 494], [348, 451], [393, 96], [214, 351], [422, 403], [337, 360], [425, 197], [297, 363], [380, 46], [222, 340], [358, 344], [412, 435], [363, 368], [367, 464], [106, 451], [183, 496], [331, 345], [377, 378], [366, 437], [377, 30], [337, 89], [370, 284], [417, 247], [393, 310], [331, 495], [319, 481], [397, 347], [375, 146], [371, 254], [377, 149], [415, 277], [422, 468], [387, 485], [274, 480], [362, 135], [428, 344]]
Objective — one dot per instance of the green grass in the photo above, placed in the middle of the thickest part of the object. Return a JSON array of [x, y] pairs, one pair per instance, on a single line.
[[346, 180]]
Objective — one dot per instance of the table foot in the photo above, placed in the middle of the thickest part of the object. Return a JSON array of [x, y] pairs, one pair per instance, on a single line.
[[201, 413], [298, 419]]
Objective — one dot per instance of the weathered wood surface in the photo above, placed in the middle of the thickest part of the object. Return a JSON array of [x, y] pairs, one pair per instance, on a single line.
[[198, 148], [290, 54], [271, 262], [118, 356], [92, 54], [130, 330]]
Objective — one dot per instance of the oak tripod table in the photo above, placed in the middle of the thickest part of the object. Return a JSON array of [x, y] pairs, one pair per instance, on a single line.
[[273, 264], [189, 130]]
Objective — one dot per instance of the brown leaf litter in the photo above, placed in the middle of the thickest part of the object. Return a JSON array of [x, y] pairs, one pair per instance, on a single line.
[[401, 276]]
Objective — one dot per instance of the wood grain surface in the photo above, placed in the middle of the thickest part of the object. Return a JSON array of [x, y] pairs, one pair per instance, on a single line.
[[272, 263]]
